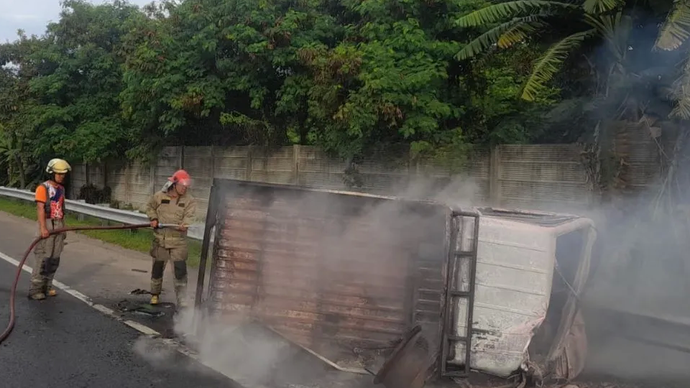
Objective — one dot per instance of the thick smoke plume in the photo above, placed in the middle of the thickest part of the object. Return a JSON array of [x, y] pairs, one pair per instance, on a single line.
[[254, 355], [638, 266]]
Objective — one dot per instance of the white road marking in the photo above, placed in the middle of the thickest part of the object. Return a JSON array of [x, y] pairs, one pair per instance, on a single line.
[[109, 312], [70, 290], [140, 328]]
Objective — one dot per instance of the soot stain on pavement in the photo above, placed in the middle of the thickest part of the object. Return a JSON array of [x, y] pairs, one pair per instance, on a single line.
[[159, 317], [143, 309]]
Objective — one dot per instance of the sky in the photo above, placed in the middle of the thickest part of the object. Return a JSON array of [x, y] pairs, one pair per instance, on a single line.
[[33, 15]]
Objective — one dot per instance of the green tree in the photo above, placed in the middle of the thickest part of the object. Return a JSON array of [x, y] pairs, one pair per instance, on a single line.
[[223, 71], [77, 111], [18, 136], [394, 80]]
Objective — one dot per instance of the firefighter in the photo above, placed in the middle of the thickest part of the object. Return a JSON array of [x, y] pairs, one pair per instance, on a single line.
[[172, 205], [50, 209]]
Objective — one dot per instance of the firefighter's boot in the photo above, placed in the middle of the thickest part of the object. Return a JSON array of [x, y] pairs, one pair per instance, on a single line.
[[37, 296], [156, 284]]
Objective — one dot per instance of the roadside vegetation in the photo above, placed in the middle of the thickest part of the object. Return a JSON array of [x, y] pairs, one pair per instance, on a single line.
[[356, 78]]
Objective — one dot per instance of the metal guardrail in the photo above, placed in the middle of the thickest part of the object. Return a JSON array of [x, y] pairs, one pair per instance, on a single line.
[[195, 231]]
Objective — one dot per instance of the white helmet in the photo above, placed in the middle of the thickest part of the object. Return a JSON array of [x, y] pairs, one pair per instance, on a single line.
[[58, 166]]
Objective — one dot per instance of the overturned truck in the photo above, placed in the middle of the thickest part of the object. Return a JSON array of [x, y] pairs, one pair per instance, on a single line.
[[406, 290]]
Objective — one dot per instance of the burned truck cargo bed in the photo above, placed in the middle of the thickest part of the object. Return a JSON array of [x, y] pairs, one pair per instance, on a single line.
[[343, 275], [351, 277]]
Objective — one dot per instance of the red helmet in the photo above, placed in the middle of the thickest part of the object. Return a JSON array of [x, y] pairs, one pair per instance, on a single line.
[[181, 176]]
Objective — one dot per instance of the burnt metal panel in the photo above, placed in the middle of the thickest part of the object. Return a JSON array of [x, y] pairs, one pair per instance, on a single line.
[[343, 274]]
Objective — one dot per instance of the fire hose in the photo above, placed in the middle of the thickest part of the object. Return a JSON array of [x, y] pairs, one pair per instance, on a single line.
[[13, 292]]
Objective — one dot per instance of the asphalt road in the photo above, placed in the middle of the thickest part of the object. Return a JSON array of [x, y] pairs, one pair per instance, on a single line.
[[63, 342]]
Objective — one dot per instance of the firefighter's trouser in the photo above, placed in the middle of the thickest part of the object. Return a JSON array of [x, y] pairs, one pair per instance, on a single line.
[[47, 258], [178, 256]]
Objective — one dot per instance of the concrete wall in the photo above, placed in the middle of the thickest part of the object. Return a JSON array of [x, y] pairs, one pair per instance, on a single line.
[[547, 177]]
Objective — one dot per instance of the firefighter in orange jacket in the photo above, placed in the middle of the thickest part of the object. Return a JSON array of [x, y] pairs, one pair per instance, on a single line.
[[50, 209], [172, 205]]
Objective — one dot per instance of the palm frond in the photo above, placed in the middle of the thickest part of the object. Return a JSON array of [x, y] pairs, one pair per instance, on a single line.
[[521, 31], [676, 28], [505, 35], [682, 109], [551, 61], [606, 25], [601, 6], [680, 94], [615, 28], [497, 12]]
